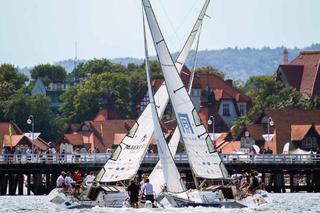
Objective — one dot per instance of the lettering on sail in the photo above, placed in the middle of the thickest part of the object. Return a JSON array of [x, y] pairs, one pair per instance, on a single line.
[[135, 147], [185, 123]]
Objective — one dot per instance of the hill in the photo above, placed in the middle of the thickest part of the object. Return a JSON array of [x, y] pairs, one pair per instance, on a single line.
[[235, 63]]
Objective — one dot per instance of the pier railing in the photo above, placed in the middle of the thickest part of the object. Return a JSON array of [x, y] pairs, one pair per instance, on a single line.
[[101, 158]]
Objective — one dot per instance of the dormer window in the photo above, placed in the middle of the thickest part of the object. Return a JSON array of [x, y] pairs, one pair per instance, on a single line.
[[242, 109], [226, 109]]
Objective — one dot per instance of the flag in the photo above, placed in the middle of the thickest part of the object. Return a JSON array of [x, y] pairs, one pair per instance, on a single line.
[[10, 134]]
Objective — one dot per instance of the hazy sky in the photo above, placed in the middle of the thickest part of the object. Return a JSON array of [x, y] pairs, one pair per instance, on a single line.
[[40, 31]]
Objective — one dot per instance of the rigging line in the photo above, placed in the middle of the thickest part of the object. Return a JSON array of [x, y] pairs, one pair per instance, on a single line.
[[194, 61], [176, 35]]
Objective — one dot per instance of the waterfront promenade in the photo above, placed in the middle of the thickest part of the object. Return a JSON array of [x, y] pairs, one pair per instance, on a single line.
[[278, 172]]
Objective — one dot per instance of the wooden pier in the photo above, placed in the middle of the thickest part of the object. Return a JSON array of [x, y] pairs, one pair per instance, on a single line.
[[39, 173]]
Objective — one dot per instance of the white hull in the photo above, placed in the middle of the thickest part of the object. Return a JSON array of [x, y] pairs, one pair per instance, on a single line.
[[104, 198], [211, 199]]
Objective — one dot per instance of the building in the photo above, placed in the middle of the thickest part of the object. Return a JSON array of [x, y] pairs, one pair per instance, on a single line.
[[275, 128], [12, 137], [53, 91], [213, 97], [96, 134], [219, 99], [302, 73]]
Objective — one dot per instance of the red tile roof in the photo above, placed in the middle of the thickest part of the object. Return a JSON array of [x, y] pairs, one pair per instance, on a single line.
[[293, 74], [317, 128], [284, 118], [257, 130], [75, 139], [106, 114], [222, 89], [310, 81], [299, 131], [206, 112], [230, 147], [15, 140]]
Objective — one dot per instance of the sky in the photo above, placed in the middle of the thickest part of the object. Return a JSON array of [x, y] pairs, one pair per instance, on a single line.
[[45, 31]]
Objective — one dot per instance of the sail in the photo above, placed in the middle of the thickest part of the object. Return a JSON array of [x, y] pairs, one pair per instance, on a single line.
[[203, 158], [126, 159], [171, 174], [156, 177], [187, 46]]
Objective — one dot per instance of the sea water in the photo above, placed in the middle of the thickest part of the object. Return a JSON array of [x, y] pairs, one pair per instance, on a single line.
[[288, 202]]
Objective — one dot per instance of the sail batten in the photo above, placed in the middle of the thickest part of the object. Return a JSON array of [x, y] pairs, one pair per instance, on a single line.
[[127, 161], [203, 159]]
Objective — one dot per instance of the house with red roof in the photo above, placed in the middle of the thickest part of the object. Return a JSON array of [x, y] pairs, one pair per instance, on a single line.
[[213, 97], [276, 127], [217, 98], [12, 137], [302, 73]]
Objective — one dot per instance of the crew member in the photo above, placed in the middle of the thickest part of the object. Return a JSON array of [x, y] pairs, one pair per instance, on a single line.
[[60, 180], [133, 192], [148, 190]]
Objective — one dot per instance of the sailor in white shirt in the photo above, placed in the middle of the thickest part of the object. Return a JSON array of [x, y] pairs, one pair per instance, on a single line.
[[148, 191], [68, 181], [89, 179], [60, 180]]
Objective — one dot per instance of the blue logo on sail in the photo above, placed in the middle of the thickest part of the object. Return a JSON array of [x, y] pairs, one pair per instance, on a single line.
[[185, 122]]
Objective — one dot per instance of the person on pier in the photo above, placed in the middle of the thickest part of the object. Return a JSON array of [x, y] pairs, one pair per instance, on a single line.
[[133, 192], [60, 180], [68, 181]]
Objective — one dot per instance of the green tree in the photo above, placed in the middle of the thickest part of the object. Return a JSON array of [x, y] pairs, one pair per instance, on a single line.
[[20, 106], [268, 93], [49, 73], [209, 69], [10, 79]]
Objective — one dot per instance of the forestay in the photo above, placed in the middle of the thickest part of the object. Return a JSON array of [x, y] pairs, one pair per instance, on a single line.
[[127, 158], [203, 158], [156, 177]]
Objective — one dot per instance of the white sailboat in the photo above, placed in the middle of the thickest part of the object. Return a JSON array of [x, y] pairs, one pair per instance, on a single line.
[[127, 158], [172, 179], [204, 161], [157, 176]]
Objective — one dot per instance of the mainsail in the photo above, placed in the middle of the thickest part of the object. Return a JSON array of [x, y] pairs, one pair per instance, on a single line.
[[171, 174], [157, 176], [127, 158], [203, 158]]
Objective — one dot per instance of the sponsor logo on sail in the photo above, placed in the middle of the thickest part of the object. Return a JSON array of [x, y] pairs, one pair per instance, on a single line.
[[185, 122]]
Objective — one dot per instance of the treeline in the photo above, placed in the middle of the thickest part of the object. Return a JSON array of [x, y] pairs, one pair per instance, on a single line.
[[96, 79], [90, 83]]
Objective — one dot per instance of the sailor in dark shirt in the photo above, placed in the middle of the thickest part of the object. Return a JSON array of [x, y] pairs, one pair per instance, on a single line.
[[133, 192]]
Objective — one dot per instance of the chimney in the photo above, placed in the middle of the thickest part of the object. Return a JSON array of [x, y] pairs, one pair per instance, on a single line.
[[230, 82], [285, 57]]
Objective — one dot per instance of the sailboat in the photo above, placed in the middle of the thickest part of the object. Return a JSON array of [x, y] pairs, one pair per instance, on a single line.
[[204, 160], [127, 158]]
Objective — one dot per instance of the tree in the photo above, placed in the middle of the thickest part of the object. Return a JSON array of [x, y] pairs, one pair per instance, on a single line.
[[20, 106], [10, 78], [49, 73], [268, 93], [209, 69]]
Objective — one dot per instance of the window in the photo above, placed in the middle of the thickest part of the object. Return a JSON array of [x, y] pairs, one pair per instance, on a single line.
[[196, 117], [309, 143], [196, 92], [226, 110], [242, 109]]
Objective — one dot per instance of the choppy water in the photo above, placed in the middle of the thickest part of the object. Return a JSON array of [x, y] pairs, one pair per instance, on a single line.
[[296, 202]]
